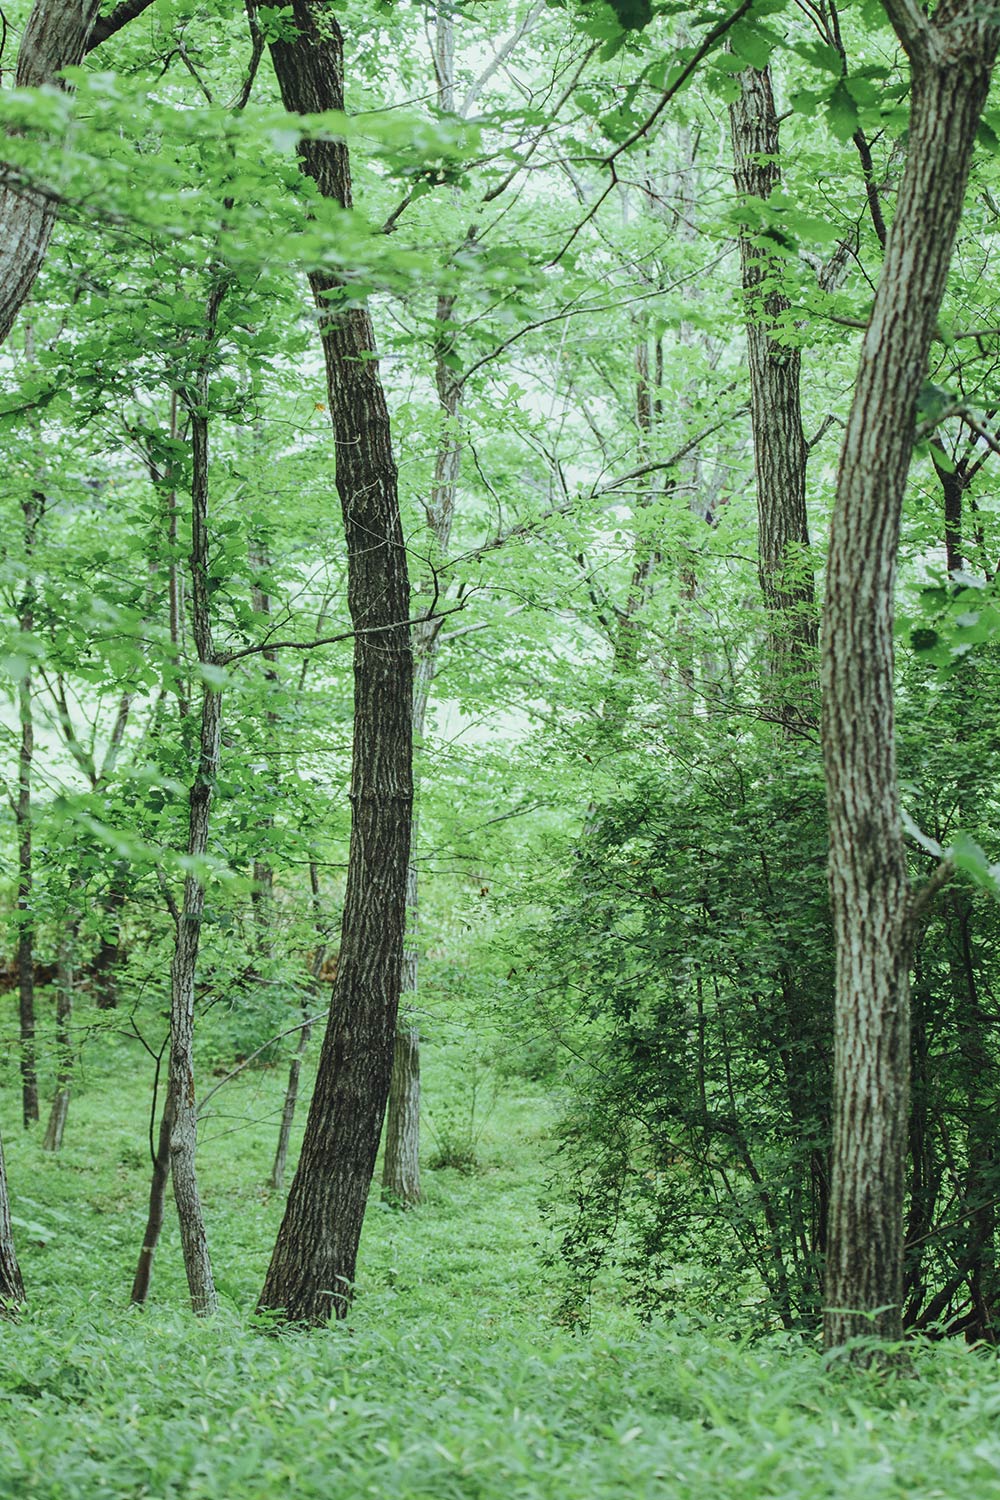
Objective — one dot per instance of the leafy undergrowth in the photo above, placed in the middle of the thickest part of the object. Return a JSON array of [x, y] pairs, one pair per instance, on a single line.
[[450, 1378]]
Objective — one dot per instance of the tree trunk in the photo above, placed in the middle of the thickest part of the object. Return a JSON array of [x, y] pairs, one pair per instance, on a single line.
[[180, 1086], [277, 1177], [401, 1155], [951, 60], [108, 957], [54, 38], [65, 981], [11, 1284], [311, 1274], [26, 921], [31, 509], [779, 444], [157, 1201]]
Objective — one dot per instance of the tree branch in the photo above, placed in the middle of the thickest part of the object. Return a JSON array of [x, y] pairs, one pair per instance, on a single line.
[[224, 659], [107, 26]]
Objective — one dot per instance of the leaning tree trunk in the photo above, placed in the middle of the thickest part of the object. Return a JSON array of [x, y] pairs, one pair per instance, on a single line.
[[55, 38], [951, 59], [154, 1213], [312, 1268]]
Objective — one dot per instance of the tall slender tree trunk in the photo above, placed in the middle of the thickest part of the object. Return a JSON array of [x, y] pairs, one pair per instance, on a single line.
[[311, 1274], [951, 58], [65, 982], [780, 451], [262, 890], [108, 957], [277, 1178], [180, 1085], [31, 508], [401, 1163], [790, 692], [401, 1155], [157, 1203]]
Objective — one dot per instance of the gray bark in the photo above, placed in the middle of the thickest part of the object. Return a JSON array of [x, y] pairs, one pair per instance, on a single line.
[[952, 57], [55, 38]]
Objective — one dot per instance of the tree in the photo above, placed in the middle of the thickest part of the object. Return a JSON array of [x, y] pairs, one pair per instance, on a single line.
[[311, 1274], [780, 451], [951, 58]]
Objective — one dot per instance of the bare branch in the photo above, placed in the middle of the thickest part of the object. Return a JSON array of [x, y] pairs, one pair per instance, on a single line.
[[475, 90], [225, 658]]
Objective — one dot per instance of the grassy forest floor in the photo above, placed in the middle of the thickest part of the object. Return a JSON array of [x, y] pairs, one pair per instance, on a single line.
[[451, 1377]]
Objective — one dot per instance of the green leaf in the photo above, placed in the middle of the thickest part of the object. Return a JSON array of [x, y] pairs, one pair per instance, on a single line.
[[633, 15], [752, 46], [842, 112], [968, 857]]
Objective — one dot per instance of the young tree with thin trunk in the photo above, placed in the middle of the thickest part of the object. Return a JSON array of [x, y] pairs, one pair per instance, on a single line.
[[951, 57], [181, 1101], [65, 982], [312, 1268], [23, 814]]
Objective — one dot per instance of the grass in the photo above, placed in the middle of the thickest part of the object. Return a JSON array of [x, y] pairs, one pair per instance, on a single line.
[[450, 1379]]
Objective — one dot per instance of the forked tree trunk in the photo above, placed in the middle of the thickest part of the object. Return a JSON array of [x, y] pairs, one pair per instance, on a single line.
[[154, 1214], [951, 58], [311, 1274]]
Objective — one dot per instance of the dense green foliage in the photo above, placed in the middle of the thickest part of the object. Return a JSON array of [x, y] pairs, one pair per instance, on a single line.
[[451, 1378], [614, 1281]]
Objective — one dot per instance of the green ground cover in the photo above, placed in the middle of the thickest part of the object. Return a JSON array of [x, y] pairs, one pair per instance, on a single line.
[[451, 1377]]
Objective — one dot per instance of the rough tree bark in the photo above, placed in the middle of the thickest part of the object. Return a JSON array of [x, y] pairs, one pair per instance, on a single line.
[[154, 1214], [951, 58], [780, 451], [312, 1268], [11, 1284], [55, 38]]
